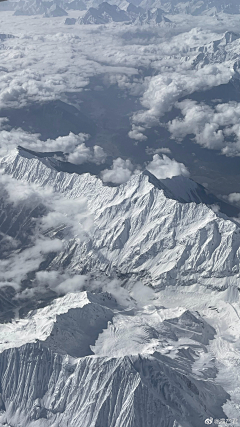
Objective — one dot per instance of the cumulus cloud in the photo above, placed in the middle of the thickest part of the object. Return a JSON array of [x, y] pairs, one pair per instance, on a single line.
[[164, 90], [73, 145], [82, 154], [42, 64], [215, 128], [234, 198], [120, 172], [153, 65], [164, 167], [160, 150], [136, 133]]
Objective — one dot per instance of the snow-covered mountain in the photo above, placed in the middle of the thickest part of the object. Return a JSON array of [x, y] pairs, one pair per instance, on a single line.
[[119, 298], [218, 51], [55, 11], [146, 227], [192, 7], [109, 383], [103, 14], [106, 13], [75, 5], [155, 16], [39, 7], [116, 352]]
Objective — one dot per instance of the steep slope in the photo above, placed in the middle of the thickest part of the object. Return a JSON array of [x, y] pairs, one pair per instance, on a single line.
[[32, 7], [40, 388], [196, 7], [120, 359], [140, 230], [152, 17], [103, 14], [55, 11], [42, 385], [185, 190]]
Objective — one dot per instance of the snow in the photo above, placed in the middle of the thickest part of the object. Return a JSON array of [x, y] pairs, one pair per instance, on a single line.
[[115, 386], [103, 14], [166, 353], [138, 229], [69, 325], [172, 356]]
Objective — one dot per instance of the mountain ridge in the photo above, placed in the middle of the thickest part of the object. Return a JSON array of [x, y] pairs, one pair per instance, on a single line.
[[137, 229]]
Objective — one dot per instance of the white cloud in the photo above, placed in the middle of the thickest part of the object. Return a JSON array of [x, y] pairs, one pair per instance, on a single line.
[[163, 167], [136, 133], [73, 145], [165, 89], [154, 65], [82, 154], [215, 128], [11, 139], [160, 150], [120, 172], [72, 214], [45, 61], [48, 59], [59, 282], [15, 268], [234, 198]]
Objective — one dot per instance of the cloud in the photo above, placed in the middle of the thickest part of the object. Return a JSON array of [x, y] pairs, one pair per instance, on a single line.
[[59, 282], [136, 133], [234, 198], [152, 65], [163, 167], [82, 154], [120, 172], [164, 90], [142, 294], [73, 145], [42, 64], [216, 128], [71, 215], [16, 267], [136, 295], [160, 150]]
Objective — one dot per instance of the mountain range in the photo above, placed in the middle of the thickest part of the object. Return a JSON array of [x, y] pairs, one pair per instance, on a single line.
[[101, 354], [119, 271], [94, 13]]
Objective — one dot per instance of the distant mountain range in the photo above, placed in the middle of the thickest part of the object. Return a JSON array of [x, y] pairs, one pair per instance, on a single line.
[[139, 11]]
